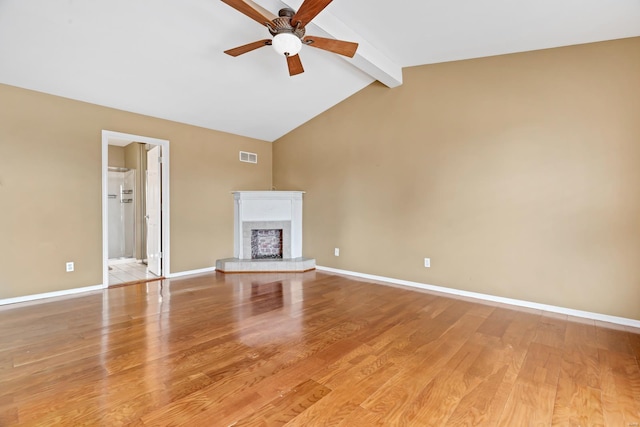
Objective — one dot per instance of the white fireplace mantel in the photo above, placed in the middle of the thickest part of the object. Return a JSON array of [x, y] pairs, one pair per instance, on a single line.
[[259, 208]]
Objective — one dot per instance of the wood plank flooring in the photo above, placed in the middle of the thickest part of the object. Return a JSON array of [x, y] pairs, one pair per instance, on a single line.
[[309, 349]]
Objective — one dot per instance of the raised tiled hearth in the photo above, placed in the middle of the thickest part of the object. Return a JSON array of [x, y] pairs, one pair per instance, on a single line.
[[235, 265], [267, 210]]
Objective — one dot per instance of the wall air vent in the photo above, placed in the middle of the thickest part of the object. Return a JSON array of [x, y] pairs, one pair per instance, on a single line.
[[248, 157]]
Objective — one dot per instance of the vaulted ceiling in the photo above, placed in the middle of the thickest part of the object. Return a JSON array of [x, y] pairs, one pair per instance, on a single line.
[[165, 58]]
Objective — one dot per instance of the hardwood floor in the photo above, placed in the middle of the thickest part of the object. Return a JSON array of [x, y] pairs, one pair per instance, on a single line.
[[309, 349]]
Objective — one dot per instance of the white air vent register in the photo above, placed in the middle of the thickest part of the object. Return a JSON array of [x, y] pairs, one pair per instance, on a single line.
[[248, 157]]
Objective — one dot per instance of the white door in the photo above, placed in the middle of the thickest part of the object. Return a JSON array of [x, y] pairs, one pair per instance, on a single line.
[[154, 212]]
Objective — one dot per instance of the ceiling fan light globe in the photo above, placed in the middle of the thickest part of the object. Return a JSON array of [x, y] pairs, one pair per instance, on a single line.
[[286, 44]]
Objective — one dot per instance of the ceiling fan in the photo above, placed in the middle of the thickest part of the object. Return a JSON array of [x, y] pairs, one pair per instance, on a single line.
[[288, 31]]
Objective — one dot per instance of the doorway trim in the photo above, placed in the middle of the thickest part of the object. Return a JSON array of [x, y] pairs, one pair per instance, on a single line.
[[107, 136]]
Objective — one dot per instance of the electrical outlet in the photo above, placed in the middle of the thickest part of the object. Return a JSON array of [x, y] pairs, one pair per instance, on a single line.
[[336, 252], [70, 267], [427, 262]]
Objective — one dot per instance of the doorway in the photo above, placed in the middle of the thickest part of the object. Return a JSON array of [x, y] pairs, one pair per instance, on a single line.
[[155, 176]]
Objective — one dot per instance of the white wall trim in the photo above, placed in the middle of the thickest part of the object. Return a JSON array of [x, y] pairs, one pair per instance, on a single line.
[[104, 287], [520, 303], [190, 272], [510, 301], [35, 297]]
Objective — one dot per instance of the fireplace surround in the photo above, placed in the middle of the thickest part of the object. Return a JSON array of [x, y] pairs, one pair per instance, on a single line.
[[267, 210]]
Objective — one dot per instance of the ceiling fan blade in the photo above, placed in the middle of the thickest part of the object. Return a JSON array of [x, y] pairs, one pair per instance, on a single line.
[[252, 12], [308, 11], [295, 65], [262, 10], [236, 51], [336, 46]]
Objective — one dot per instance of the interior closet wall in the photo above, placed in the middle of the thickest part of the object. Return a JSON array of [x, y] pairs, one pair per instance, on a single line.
[[135, 158], [116, 156]]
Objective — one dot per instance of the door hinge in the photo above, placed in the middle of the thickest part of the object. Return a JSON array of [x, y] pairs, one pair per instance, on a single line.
[[160, 159]]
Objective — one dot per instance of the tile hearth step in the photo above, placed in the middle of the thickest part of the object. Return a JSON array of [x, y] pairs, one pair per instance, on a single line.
[[236, 265]]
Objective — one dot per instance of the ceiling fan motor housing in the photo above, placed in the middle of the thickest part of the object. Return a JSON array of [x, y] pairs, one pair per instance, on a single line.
[[283, 24]]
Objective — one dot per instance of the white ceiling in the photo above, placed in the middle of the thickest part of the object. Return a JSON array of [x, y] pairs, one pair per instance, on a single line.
[[164, 58]]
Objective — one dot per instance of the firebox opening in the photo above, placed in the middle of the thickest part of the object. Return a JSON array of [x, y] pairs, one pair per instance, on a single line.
[[266, 244]]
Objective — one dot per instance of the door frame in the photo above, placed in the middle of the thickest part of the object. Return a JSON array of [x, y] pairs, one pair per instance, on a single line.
[[107, 136]]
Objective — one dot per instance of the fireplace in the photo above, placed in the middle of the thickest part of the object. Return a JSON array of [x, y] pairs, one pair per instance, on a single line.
[[275, 219], [268, 210]]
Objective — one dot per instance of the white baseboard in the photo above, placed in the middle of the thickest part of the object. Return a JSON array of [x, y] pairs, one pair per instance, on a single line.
[[74, 291], [520, 303], [510, 301], [190, 272], [36, 297]]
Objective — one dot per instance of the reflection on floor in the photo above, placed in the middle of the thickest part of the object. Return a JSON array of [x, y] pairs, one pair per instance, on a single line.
[[130, 272]]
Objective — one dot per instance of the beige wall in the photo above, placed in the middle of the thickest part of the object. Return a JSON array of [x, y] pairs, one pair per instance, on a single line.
[[50, 189], [116, 156], [517, 175]]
